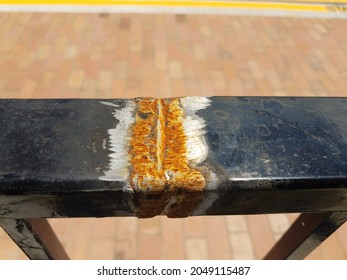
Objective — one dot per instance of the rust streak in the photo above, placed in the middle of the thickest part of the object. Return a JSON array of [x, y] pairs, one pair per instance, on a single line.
[[160, 168]]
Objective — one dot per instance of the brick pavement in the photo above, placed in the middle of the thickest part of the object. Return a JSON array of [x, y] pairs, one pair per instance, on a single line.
[[110, 56]]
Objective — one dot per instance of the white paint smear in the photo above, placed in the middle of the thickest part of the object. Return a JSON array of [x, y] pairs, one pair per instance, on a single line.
[[209, 199], [194, 127], [197, 149], [119, 139]]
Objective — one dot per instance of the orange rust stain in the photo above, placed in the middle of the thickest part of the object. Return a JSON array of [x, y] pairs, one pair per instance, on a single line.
[[159, 155], [145, 171], [176, 165]]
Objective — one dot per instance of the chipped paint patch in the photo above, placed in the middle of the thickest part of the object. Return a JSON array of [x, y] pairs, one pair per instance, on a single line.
[[160, 158]]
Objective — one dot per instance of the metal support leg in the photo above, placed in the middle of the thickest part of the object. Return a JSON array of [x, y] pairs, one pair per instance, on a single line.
[[35, 237], [305, 234]]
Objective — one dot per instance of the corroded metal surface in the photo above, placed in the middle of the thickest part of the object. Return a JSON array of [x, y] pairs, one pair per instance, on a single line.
[[161, 174], [175, 157]]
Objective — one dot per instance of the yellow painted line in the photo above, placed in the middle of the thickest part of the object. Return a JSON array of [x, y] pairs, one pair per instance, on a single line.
[[324, 7], [216, 3], [183, 4], [316, 1]]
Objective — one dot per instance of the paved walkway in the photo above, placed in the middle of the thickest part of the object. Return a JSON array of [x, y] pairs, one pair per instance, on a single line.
[[111, 56]]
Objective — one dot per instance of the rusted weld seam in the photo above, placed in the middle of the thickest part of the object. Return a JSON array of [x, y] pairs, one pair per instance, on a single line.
[[160, 135], [162, 178]]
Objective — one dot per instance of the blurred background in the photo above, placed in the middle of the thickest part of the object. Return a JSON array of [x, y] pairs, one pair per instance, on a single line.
[[47, 55]]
